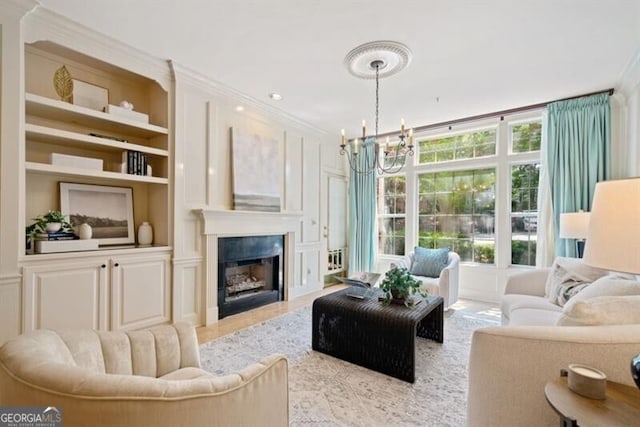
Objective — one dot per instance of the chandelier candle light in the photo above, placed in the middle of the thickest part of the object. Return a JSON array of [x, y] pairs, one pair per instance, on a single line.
[[376, 60]]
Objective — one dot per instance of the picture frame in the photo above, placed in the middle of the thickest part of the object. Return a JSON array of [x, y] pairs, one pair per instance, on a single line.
[[256, 166], [89, 95], [108, 210]]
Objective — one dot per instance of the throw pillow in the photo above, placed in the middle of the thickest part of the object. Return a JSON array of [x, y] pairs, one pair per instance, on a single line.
[[566, 276], [429, 262], [603, 310], [606, 286]]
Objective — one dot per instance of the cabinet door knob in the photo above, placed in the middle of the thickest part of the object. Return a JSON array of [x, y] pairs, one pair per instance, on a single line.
[[103, 266], [116, 264]]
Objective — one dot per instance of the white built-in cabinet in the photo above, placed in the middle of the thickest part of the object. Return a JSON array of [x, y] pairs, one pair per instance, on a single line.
[[113, 287], [119, 291]]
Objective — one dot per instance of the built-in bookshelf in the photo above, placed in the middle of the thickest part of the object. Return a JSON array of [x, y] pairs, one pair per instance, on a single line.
[[101, 148]]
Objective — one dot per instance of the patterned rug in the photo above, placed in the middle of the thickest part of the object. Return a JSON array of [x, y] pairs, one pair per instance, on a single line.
[[325, 391]]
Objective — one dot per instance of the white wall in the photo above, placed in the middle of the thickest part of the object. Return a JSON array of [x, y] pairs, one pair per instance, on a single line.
[[205, 111]]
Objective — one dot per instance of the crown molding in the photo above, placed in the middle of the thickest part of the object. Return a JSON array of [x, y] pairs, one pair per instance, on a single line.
[[17, 8], [207, 84], [45, 25]]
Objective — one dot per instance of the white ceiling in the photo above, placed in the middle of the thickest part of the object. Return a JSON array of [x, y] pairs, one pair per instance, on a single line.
[[474, 56]]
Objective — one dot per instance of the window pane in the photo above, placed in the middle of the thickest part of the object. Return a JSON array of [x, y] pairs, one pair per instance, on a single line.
[[463, 216], [526, 137], [524, 213], [457, 147], [391, 215]]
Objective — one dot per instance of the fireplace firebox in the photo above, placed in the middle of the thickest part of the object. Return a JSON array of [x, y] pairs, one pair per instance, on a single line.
[[250, 272]]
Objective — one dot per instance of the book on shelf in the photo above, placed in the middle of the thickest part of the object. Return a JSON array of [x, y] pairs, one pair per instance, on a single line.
[[58, 235], [52, 246], [136, 162]]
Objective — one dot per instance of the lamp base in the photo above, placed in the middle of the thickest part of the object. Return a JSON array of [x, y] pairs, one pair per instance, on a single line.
[[635, 369], [580, 248]]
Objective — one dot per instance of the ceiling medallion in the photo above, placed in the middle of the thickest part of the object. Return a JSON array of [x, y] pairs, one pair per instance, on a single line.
[[376, 60]]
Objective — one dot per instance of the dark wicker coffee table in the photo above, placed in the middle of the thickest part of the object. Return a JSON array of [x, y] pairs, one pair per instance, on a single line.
[[373, 335]]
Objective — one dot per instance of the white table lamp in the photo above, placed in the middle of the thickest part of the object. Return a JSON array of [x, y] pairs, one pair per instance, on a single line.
[[614, 234], [575, 225]]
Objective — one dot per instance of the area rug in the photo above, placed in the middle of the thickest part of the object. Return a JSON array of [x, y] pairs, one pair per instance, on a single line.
[[325, 391]]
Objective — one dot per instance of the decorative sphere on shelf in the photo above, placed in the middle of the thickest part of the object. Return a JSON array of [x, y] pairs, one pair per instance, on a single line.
[[145, 234], [126, 105], [84, 231]]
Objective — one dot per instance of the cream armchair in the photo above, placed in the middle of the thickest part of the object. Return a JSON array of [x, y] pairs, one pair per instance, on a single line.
[[446, 285], [140, 378]]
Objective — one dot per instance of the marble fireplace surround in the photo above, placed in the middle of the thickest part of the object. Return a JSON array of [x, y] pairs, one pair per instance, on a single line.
[[229, 223]]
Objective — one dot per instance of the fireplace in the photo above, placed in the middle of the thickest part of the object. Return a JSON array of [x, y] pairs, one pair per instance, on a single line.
[[250, 272]]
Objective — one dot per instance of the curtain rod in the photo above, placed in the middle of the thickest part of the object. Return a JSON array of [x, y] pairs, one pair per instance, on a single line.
[[449, 123]]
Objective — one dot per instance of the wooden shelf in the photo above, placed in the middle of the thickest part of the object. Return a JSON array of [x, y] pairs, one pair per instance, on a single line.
[[78, 140], [57, 110], [43, 168]]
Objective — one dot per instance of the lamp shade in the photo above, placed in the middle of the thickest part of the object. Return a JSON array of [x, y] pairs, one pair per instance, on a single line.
[[574, 225], [613, 240]]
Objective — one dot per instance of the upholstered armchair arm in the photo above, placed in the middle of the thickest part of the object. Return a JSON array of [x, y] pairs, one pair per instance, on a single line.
[[255, 395], [509, 367], [403, 262], [531, 282], [448, 280]]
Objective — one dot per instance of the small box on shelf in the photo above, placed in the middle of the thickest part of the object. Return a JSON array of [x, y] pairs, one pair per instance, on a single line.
[[53, 246], [75, 161], [126, 113]]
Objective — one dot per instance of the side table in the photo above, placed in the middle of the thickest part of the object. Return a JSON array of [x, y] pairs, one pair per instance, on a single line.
[[620, 408]]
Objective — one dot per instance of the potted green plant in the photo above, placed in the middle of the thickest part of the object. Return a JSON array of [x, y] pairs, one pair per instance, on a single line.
[[50, 222], [399, 287]]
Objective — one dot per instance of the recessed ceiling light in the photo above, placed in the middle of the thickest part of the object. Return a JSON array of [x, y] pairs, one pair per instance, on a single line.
[[239, 108], [275, 96]]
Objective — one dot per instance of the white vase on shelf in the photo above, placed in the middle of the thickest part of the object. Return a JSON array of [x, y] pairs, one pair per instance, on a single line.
[[84, 231], [145, 234]]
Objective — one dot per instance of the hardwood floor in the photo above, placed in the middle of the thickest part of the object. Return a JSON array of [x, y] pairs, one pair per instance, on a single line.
[[244, 320]]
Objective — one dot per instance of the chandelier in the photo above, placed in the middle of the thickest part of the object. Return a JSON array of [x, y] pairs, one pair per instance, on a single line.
[[377, 60]]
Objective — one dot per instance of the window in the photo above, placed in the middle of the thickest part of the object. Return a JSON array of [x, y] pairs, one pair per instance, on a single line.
[[391, 214], [456, 210], [467, 189], [526, 137], [458, 147]]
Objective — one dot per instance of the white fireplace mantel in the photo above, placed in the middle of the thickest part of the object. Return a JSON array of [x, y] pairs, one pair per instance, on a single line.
[[229, 222]]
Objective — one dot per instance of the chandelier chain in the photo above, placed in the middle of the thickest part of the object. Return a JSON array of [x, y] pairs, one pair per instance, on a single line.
[[377, 96]]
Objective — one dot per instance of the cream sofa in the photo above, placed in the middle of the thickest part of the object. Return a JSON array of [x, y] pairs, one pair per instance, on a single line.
[[140, 378], [446, 285], [510, 365]]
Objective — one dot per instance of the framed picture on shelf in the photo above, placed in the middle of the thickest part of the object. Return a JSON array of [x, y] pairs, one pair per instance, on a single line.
[[89, 95], [108, 210]]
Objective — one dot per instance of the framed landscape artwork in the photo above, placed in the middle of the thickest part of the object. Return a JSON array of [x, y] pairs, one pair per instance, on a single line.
[[108, 210], [256, 172]]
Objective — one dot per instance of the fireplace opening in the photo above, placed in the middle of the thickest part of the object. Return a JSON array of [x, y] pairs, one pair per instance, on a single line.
[[250, 272]]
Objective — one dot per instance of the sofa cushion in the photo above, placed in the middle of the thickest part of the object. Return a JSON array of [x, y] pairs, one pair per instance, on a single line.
[[512, 302], [566, 277], [429, 262], [187, 374], [533, 317], [602, 310], [606, 286]]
